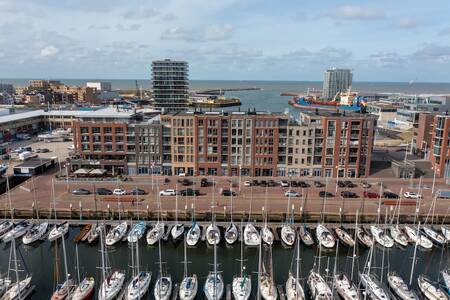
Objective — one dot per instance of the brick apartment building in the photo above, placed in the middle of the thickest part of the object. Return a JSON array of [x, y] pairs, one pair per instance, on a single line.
[[440, 145], [225, 143]]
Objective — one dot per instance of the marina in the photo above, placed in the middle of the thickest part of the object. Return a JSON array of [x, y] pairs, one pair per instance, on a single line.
[[280, 262]]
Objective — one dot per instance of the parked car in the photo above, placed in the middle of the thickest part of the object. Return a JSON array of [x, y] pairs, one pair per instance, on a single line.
[[390, 195], [371, 194], [302, 184], [247, 183], [137, 191], [119, 192], [168, 192], [263, 183], [71, 147], [182, 174], [41, 150], [366, 185], [348, 194], [103, 191], [318, 184], [204, 182], [292, 194], [412, 195], [228, 193], [255, 182], [189, 192], [81, 192], [323, 194], [284, 183], [294, 183], [186, 182], [271, 183], [349, 184], [341, 184]]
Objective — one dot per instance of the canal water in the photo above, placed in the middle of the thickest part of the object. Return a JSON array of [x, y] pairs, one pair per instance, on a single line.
[[40, 260]]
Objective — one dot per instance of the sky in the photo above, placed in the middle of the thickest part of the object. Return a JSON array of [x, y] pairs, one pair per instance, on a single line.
[[383, 40]]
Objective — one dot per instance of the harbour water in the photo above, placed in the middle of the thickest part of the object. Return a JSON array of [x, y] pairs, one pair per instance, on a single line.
[[40, 260]]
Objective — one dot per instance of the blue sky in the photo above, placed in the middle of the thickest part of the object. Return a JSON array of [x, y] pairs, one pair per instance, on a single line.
[[384, 40]]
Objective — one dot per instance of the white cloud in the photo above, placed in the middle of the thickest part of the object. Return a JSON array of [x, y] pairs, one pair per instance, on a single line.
[[218, 32], [141, 13], [131, 27], [406, 23], [99, 27], [49, 51], [210, 33], [352, 12]]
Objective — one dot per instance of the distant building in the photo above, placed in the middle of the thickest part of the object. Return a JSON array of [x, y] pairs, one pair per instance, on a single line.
[[335, 81], [43, 84], [170, 84], [440, 148], [423, 133], [386, 112], [7, 88], [100, 86]]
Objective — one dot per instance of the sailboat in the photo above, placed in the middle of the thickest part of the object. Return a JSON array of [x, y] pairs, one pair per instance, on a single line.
[[446, 232], [242, 284], [37, 232], [416, 236], [116, 233], [20, 288], [58, 231], [136, 232], [396, 233], [231, 233], [266, 280], [85, 288], [399, 287], [287, 232], [294, 290], [212, 231], [178, 229], [429, 290], [112, 281], [19, 230], [266, 232], [344, 236], [345, 288], [251, 235], [373, 287], [5, 226], [364, 237], [140, 282], [189, 284], [213, 288], [434, 236], [305, 235], [381, 237], [63, 291], [163, 286], [318, 287], [445, 274], [194, 232], [95, 232], [324, 236], [155, 234]]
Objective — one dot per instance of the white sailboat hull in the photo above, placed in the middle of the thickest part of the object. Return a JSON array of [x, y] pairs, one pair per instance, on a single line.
[[251, 235], [188, 288], [163, 288], [267, 235], [324, 236], [111, 287], [138, 287], [58, 231], [177, 231], [36, 233], [213, 291], [294, 290], [231, 234], [381, 237], [193, 235], [242, 288], [116, 234], [288, 235], [155, 234], [212, 234], [398, 236]]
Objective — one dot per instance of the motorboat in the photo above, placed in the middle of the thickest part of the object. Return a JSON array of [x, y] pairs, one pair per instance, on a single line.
[[177, 231], [5, 226], [193, 235], [324, 236], [95, 233], [318, 287], [163, 288], [63, 290], [417, 237], [85, 289], [212, 234], [345, 288], [400, 288], [267, 235], [446, 232], [188, 287], [17, 291], [139, 285], [294, 290], [231, 234], [251, 235], [434, 236], [381, 237], [398, 235], [58, 231], [305, 235], [36, 233], [429, 290], [373, 287], [267, 287], [288, 235], [344, 236], [155, 234], [136, 232], [111, 286], [214, 286], [17, 231], [364, 237], [116, 234]]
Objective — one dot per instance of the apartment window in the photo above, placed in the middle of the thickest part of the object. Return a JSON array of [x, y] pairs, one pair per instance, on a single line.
[[96, 139], [119, 130], [97, 148], [107, 139], [84, 138], [84, 129], [108, 148], [107, 129], [95, 129], [85, 147], [119, 148]]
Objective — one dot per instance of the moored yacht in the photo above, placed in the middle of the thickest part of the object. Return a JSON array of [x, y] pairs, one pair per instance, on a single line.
[[429, 290], [36, 232], [364, 237], [136, 232], [345, 288], [417, 237], [116, 234], [398, 235], [193, 235], [381, 237], [318, 287], [251, 235], [324, 236], [58, 231], [344, 236], [305, 235], [155, 234], [400, 288]]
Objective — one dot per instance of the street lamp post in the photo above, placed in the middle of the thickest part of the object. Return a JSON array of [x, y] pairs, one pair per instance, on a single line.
[[434, 179], [240, 175]]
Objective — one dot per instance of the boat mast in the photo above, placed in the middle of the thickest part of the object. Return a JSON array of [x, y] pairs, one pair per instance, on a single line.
[[215, 271], [242, 252], [132, 254], [258, 296], [65, 258], [13, 244], [185, 257], [160, 262], [399, 206], [379, 204], [335, 264], [77, 262], [231, 208], [297, 267], [102, 250], [137, 258], [176, 205], [354, 245], [414, 256]]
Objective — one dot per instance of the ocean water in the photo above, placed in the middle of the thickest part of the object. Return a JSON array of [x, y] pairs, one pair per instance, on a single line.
[[269, 97]]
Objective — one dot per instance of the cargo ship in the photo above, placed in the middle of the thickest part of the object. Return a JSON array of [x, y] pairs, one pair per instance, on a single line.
[[349, 101]]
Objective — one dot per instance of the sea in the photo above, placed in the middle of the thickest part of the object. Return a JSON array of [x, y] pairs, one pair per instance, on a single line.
[[45, 262], [268, 98]]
